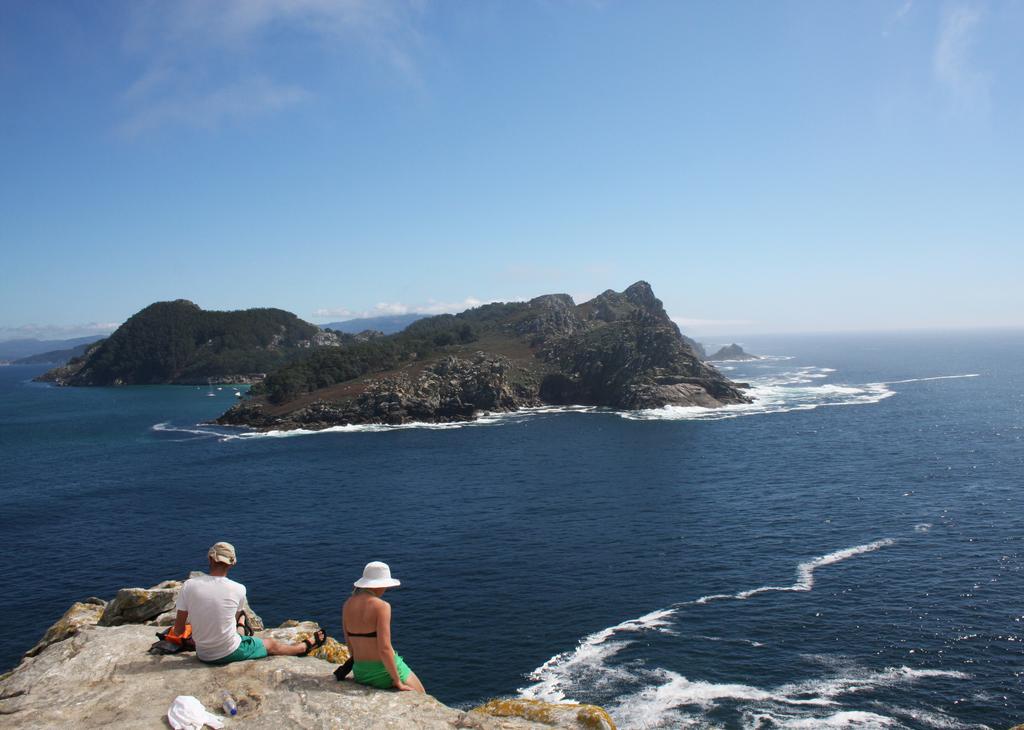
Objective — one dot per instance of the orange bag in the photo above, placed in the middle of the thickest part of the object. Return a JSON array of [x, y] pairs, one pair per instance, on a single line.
[[179, 638]]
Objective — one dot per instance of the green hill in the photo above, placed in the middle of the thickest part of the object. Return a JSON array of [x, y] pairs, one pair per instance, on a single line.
[[177, 342]]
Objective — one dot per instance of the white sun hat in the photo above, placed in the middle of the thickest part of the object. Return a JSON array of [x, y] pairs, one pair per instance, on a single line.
[[377, 575]]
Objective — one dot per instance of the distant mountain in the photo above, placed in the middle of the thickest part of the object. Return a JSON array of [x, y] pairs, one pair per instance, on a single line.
[[389, 324], [177, 342], [732, 352], [618, 350], [53, 357], [16, 349]]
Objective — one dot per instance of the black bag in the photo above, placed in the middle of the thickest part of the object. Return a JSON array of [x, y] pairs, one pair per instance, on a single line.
[[165, 646], [341, 672]]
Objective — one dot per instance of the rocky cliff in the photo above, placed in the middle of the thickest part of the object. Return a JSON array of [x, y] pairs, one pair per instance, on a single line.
[[618, 350], [92, 669]]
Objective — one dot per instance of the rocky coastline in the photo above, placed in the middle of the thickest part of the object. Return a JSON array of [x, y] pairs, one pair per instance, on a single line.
[[619, 350], [92, 669]]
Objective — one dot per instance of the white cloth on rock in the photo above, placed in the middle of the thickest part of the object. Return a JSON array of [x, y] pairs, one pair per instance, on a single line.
[[188, 713]]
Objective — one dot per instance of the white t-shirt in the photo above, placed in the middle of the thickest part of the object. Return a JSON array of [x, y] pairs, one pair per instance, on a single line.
[[212, 603]]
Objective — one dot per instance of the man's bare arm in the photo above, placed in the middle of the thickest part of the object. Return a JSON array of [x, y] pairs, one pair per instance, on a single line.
[[179, 623]]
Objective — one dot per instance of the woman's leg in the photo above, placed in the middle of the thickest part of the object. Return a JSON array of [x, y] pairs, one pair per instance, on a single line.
[[413, 681]]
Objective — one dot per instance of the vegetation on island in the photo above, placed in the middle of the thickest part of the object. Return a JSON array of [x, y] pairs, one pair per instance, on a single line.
[[178, 342], [424, 339]]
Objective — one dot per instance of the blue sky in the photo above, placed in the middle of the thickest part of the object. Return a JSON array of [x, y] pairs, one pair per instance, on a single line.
[[768, 167]]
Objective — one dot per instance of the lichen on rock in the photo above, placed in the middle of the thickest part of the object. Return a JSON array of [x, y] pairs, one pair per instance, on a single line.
[[138, 605], [561, 714], [81, 613]]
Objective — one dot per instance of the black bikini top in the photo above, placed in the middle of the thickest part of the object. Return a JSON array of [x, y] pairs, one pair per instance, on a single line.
[[370, 635]]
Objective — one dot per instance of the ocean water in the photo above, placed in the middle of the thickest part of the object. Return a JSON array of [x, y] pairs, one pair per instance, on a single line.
[[846, 552]]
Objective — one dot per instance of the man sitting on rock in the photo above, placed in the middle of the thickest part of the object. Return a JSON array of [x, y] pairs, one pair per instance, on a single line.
[[213, 605]]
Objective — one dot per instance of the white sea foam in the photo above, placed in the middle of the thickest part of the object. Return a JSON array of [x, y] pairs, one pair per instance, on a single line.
[[782, 392], [659, 705], [587, 664], [935, 377], [786, 391], [804, 573], [824, 691], [484, 420], [852, 719], [669, 698], [196, 432], [932, 718], [588, 659], [731, 640]]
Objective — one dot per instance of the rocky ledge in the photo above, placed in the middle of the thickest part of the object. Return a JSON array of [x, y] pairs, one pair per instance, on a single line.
[[92, 669]]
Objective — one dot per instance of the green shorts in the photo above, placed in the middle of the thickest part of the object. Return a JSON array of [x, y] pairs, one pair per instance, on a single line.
[[250, 648], [376, 674]]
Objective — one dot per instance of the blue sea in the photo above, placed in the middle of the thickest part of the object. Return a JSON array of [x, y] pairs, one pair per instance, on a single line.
[[846, 552]]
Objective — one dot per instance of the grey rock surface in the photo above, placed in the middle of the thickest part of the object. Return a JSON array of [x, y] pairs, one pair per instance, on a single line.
[[103, 677], [83, 675]]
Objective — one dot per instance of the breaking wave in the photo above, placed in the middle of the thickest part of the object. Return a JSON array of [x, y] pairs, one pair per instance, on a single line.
[[935, 377], [227, 433], [792, 390], [669, 699], [587, 661], [663, 698], [804, 572]]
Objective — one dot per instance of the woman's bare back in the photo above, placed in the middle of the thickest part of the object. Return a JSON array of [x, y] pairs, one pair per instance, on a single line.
[[361, 615]]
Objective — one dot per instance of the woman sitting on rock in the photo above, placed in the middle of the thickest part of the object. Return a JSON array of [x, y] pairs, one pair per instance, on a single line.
[[366, 621]]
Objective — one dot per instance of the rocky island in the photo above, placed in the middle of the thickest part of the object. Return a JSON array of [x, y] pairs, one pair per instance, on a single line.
[[92, 669], [619, 350], [177, 342], [732, 352]]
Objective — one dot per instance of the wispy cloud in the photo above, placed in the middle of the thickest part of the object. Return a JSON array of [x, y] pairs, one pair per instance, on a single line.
[[207, 110], [898, 17], [56, 331], [951, 62], [431, 306], [206, 63]]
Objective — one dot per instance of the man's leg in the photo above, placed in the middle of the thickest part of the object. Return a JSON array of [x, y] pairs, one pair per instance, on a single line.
[[282, 648]]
